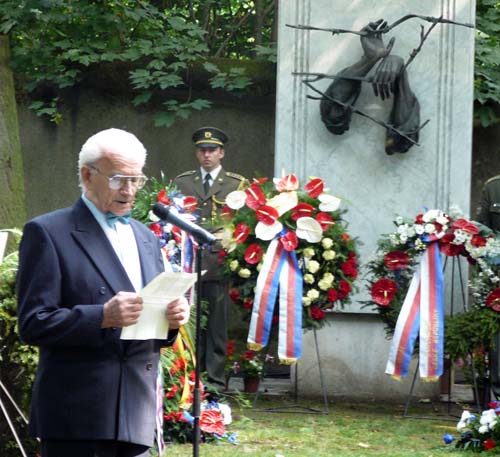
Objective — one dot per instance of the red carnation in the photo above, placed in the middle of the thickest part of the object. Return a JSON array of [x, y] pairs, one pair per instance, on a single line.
[[162, 197], [253, 254], [383, 291], [349, 268], [234, 294], [317, 313], [241, 233], [325, 220], [344, 289], [211, 421], [289, 241], [189, 204], [493, 300], [314, 187], [331, 295], [419, 219], [156, 229], [255, 196], [267, 214], [302, 210], [396, 260], [489, 444], [247, 303]]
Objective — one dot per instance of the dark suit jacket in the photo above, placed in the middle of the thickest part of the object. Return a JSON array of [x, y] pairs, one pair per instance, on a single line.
[[90, 384]]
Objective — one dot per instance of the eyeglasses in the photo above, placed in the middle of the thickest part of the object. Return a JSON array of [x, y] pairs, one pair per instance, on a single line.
[[116, 182]]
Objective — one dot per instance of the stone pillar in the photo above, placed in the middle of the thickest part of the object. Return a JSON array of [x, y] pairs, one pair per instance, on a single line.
[[374, 186]]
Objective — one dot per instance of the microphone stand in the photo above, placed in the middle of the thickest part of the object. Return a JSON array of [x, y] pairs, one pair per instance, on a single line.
[[196, 393]]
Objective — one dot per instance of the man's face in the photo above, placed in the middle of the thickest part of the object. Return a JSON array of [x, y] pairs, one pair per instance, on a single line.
[[117, 201], [209, 158]]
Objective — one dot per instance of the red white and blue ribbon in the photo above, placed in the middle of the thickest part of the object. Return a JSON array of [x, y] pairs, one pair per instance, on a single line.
[[422, 314], [188, 255], [280, 277], [159, 410]]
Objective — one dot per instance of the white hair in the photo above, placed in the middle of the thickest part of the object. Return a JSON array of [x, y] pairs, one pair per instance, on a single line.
[[111, 142]]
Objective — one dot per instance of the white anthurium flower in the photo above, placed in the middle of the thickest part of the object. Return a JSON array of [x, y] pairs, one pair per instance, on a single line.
[[228, 242], [309, 229], [226, 413], [236, 199], [267, 232], [153, 217], [328, 203], [284, 202]]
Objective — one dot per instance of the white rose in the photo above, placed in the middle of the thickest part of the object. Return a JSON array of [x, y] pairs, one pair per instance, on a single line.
[[329, 254], [259, 266], [233, 265], [308, 252], [429, 228], [244, 273], [419, 229], [309, 278], [313, 294], [324, 285], [327, 243], [328, 277], [306, 301], [313, 266]]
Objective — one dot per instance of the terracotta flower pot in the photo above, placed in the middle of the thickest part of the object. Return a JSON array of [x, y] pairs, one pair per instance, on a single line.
[[251, 385]]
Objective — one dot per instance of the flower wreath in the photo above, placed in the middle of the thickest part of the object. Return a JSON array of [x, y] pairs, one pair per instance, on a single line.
[[306, 222], [394, 264]]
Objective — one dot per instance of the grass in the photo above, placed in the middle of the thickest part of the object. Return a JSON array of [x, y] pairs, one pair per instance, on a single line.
[[350, 429]]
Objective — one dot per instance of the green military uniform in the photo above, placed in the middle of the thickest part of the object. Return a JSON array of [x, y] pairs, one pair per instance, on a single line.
[[488, 212], [214, 289]]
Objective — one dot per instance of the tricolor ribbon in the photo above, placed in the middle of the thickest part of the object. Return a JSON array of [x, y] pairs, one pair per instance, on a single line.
[[422, 314], [280, 273], [159, 410], [188, 256]]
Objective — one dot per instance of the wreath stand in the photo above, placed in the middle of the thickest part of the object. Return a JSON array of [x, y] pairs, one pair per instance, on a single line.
[[455, 265], [297, 408]]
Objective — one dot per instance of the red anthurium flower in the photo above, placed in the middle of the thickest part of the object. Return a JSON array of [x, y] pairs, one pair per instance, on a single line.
[[287, 183], [493, 300], [211, 421], [466, 226], [247, 303], [189, 204], [302, 210], [267, 214], [156, 229], [260, 181], [419, 219], [325, 220], [248, 355], [317, 313], [255, 196], [253, 254], [177, 234], [396, 260], [478, 241], [289, 241], [162, 197], [234, 294], [226, 213], [493, 404], [241, 233], [489, 444], [331, 295], [344, 289], [383, 291], [448, 248], [314, 187]]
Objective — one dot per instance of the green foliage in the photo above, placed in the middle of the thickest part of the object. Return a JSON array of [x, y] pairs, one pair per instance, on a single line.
[[487, 60], [55, 44]]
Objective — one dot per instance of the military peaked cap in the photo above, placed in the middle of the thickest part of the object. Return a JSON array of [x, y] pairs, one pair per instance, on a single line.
[[209, 137]]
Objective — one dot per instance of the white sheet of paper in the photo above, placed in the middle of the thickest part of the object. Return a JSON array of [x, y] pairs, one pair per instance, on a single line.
[[163, 289], [3, 244]]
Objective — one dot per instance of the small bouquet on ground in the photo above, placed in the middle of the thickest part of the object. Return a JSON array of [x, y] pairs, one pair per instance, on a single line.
[[477, 433]]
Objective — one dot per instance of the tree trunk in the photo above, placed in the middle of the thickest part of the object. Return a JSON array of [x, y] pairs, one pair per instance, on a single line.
[[12, 197]]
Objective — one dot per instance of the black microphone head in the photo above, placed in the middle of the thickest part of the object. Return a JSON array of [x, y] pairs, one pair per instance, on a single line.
[[160, 210]]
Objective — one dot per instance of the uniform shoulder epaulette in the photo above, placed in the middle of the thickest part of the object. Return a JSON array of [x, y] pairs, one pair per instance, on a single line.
[[235, 175], [186, 173], [494, 178]]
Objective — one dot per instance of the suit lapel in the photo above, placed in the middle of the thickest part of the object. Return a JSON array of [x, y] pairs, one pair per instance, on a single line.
[[146, 253], [92, 240]]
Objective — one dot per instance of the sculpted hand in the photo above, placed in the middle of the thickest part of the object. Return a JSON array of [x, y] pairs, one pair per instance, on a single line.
[[386, 75], [372, 43], [122, 310], [178, 313]]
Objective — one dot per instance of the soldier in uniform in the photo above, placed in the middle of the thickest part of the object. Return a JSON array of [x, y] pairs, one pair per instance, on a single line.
[[488, 212], [210, 184]]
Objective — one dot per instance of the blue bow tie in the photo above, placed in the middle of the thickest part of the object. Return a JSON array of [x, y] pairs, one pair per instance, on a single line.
[[111, 218]]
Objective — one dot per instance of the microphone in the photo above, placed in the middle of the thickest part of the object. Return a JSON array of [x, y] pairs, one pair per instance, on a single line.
[[169, 214]]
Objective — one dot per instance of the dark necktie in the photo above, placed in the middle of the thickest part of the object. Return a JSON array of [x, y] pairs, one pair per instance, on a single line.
[[111, 218], [206, 183]]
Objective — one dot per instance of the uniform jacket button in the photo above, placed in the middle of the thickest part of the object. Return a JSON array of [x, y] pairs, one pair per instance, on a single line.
[[149, 366], [102, 290]]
